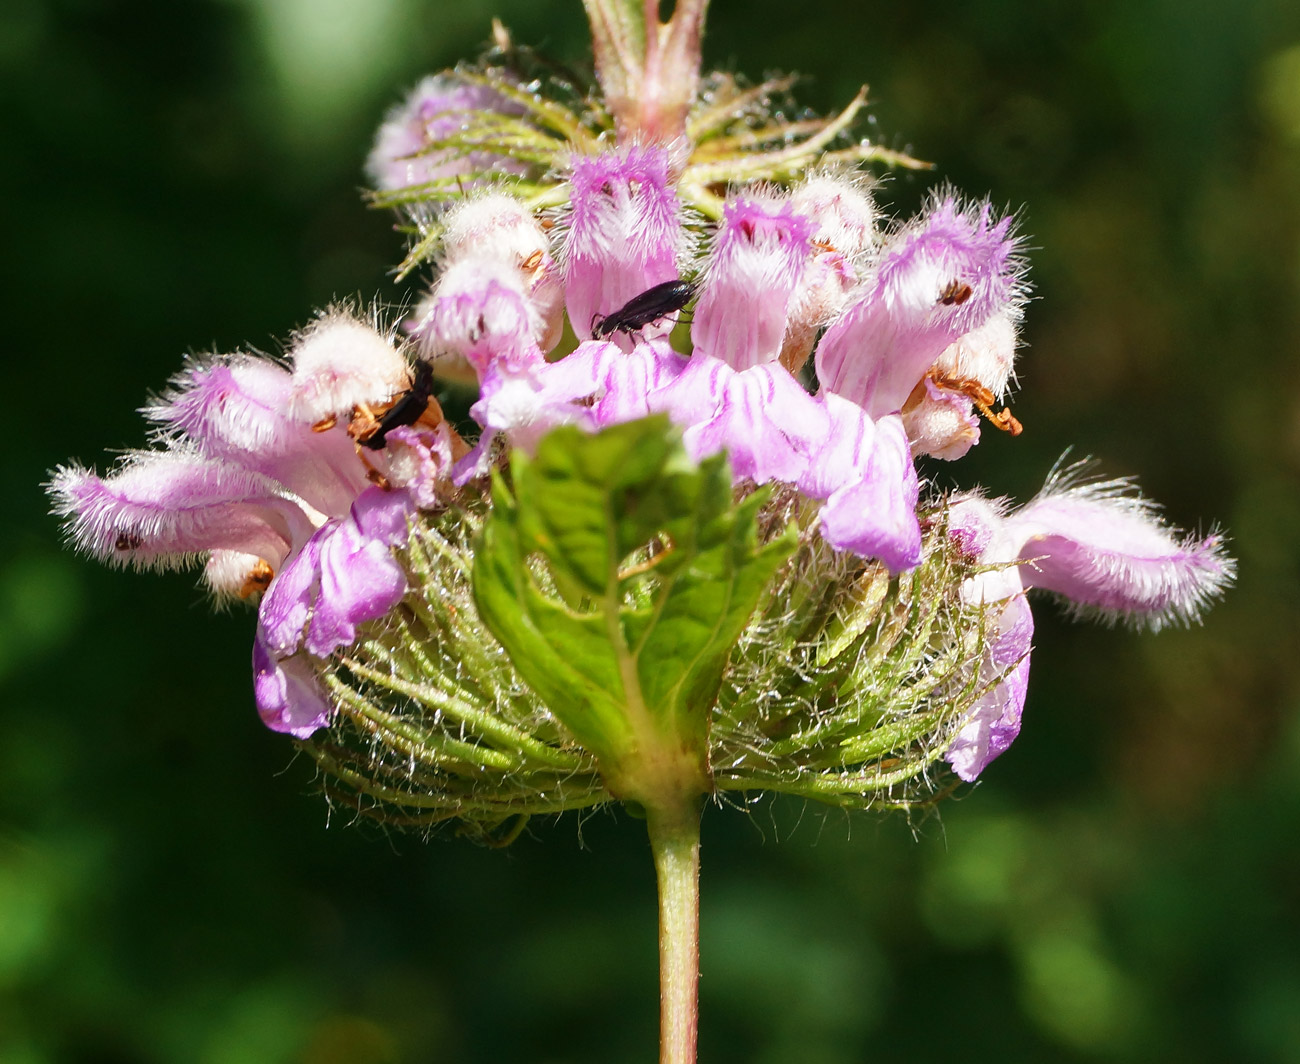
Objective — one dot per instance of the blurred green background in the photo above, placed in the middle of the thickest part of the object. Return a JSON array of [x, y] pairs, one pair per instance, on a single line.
[[1123, 886]]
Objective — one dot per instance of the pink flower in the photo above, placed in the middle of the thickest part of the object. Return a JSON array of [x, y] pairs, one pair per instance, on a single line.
[[937, 280], [624, 231], [258, 477], [1098, 546], [407, 150]]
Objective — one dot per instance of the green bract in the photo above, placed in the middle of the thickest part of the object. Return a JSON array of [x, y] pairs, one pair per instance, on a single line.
[[617, 622]]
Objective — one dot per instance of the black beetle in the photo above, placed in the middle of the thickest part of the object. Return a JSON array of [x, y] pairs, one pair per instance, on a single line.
[[639, 311], [410, 405]]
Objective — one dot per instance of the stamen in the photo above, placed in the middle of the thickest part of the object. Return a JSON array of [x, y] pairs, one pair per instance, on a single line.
[[982, 398], [258, 579], [955, 293]]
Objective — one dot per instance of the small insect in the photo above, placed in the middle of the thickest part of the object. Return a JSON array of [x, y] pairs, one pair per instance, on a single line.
[[640, 311], [408, 408], [955, 293]]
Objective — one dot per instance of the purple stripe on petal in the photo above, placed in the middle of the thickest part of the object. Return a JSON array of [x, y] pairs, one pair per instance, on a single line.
[[762, 418], [844, 450], [611, 385], [693, 397], [628, 382]]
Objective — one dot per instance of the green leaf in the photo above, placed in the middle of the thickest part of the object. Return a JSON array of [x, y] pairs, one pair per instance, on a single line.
[[619, 575]]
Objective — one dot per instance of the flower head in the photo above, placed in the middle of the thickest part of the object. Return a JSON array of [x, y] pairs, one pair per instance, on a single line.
[[676, 560]]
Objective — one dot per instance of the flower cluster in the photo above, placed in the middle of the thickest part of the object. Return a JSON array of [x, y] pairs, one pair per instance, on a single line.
[[262, 473], [564, 253]]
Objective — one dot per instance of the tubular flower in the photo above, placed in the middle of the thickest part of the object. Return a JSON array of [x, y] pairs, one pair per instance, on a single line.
[[1099, 547], [666, 546], [261, 474]]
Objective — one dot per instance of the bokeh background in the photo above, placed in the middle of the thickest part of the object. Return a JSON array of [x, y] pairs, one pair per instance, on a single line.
[[1123, 886]]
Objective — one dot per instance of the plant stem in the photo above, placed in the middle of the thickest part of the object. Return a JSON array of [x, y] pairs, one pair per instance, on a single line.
[[675, 842]]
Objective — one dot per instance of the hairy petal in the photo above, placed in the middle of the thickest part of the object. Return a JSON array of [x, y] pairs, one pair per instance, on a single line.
[[1104, 549], [843, 222], [759, 256], [231, 574], [340, 363], [939, 279], [481, 311], [498, 228], [435, 110], [624, 231], [940, 422], [237, 408], [162, 508], [986, 354]]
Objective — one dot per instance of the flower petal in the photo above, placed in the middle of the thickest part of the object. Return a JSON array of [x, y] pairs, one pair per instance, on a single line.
[[625, 231], [874, 515], [1103, 548], [618, 384], [994, 721], [161, 508], [288, 697], [481, 310], [435, 110], [360, 580], [939, 279], [340, 363], [237, 408], [761, 416], [759, 256]]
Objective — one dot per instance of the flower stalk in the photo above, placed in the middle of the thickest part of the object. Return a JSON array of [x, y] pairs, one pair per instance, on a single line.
[[675, 842]]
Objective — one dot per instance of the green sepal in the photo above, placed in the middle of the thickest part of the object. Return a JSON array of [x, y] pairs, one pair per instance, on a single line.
[[619, 575]]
